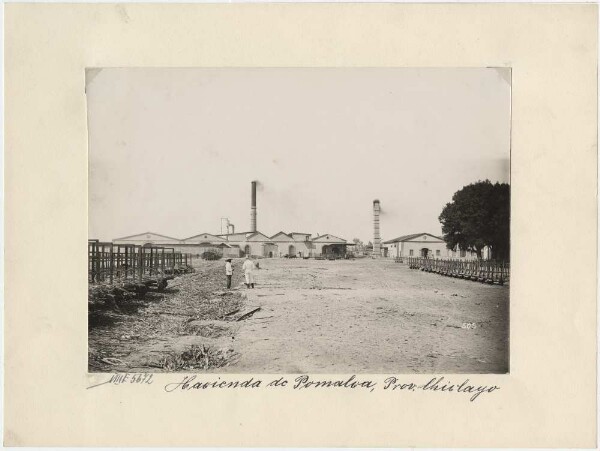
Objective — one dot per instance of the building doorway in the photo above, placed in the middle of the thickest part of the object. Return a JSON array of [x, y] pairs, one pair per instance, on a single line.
[[268, 250], [334, 250], [247, 250], [424, 252], [291, 250]]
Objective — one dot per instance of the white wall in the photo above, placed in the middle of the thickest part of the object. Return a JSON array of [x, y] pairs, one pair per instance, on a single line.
[[402, 249]]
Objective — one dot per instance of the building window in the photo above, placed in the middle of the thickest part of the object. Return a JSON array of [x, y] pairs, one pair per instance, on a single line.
[[438, 253], [410, 252]]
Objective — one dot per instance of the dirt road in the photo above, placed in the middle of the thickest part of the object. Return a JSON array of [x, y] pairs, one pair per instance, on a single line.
[[316, 316], [371, 316]]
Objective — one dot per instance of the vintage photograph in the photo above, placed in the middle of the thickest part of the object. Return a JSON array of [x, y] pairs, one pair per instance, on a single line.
[[299, 220]]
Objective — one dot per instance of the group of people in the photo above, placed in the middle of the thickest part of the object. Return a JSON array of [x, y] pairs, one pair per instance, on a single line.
[[247, 267]]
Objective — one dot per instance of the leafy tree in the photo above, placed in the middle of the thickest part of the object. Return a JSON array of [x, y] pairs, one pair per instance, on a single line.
[[359, 245], [479, 216]]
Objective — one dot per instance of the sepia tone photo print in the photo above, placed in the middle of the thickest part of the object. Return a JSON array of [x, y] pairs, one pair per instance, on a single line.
[[299, 220]]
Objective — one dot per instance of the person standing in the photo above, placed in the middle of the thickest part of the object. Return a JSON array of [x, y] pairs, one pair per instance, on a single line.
[[248, 268], [228, 272]]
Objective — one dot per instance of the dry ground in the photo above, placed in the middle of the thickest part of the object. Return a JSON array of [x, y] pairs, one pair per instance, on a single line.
[[319, 316], [152, 334], [371, 316]]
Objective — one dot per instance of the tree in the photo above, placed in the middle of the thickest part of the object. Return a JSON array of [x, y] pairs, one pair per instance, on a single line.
[[359, 245], [479, 216]]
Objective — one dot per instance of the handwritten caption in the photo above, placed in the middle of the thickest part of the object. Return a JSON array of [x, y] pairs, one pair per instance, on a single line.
[[438, 384]]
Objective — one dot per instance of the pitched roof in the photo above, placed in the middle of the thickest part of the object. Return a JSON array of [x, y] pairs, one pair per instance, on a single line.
[[147, 233], [235, 237], [236, 233], [206, 234], [282, 233], [257, 233], [332, 237], [410, 237]]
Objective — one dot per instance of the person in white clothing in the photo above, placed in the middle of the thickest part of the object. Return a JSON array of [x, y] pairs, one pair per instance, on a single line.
[[228, 272], [248, 268]]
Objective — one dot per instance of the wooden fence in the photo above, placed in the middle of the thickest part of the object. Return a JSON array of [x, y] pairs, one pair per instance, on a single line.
[[486, 271], [109, 263]]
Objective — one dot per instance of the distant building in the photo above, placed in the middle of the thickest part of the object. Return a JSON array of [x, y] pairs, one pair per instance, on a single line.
[[247, 243], [254, 243], [284, 244], [279, 245], [196, 244], [425, 245], [417, 245]]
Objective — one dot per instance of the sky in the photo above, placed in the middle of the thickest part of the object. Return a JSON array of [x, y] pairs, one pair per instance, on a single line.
[[172, 151]]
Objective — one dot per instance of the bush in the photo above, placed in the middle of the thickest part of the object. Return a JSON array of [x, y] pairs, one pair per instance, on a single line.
[[211, 255]]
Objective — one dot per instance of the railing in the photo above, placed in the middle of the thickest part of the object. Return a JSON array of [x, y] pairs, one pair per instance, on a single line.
[[486, 271], [109, 263]]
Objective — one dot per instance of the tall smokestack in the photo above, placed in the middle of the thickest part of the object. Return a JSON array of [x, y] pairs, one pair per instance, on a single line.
[[253, 209], [376, 236]]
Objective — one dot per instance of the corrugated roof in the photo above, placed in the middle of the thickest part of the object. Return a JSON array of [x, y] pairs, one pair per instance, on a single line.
[[147, 233]]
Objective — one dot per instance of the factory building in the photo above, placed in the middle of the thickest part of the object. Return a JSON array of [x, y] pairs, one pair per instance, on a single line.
[[284, 244], [147, 239], [327, 245], [196, 244], [291, 244], [247, 243], [253, 243], [426, 245], [417, 245]]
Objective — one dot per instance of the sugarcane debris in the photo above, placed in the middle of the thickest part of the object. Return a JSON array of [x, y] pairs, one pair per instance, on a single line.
[[197, 358]]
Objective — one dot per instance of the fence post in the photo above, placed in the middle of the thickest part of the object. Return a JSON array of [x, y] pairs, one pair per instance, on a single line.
[[140, 263], [126, 261], [111, 255]]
